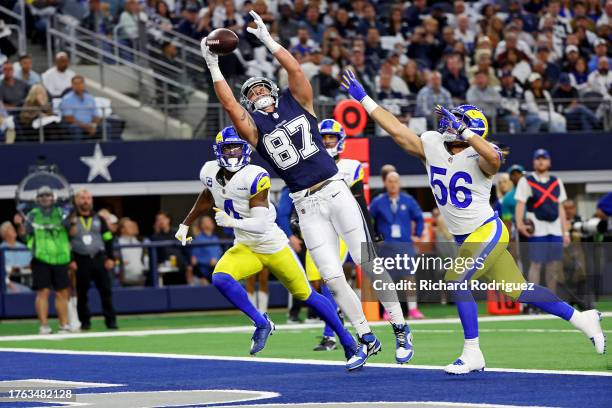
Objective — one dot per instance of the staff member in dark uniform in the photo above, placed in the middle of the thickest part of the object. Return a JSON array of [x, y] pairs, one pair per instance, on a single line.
[[92, 247]]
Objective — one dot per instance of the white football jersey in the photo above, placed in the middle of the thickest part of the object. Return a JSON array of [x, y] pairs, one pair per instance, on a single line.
[[233, 197], [350, 170], [461, 189]]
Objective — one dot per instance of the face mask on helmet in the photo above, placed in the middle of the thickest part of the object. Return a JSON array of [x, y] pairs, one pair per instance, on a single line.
[[233, 156]]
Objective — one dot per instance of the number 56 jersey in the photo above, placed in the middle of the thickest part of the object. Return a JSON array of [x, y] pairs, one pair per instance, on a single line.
[[461, 189], [233, 197]]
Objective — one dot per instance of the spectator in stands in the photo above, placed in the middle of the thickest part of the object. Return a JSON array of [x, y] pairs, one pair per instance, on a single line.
[[606, 17], [578, 116], [424, 48], [415, 12], [453, 77], [539, 101], [58, 78], [413, 77], [393, 97], [14, 261], [286, 25], [302, 44], [315, 28], [544, 67], [128, 31], [600, 80], [374, 52], [13, 91], [464, 32], [204, 258], [79, 111], [430, 96], [601, 50], [23, 70], [173, 255], [36, 106], [483, 63], [579, 75], [225, 16], [571, 57], [398, 218], [324, 84], [132, 259], [99, 20], [397, 27], [364, 73], [484, 96], [510, 106]]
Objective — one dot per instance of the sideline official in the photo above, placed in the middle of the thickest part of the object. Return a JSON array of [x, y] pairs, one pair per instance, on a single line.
[[92, 247]]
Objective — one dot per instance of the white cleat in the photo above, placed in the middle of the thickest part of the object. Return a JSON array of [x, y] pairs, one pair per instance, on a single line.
[[592, 329], [466, 363], [45, 330]]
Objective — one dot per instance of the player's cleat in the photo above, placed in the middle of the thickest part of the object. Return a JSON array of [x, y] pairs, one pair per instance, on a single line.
[[260, 336], [368, 346], [467, 363], [45, 330], [293, 320], [591, 327], [415, 314], [403, 343], [327, 344]]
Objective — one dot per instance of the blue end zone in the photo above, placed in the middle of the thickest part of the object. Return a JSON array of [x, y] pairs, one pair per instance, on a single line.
[[310, 383]]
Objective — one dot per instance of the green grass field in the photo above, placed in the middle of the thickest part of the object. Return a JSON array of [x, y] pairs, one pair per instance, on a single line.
[[524, 344]]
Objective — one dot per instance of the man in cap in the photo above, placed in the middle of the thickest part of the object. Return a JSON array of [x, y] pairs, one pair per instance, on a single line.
[[46, 234], [578, 116], [542, 195]]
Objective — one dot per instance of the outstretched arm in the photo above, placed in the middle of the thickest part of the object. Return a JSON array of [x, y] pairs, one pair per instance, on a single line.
[[242, 120], [298, 84], [401, 134], [203, 203]]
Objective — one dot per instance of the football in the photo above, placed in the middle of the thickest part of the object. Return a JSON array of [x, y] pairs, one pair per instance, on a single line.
[[222, 41]]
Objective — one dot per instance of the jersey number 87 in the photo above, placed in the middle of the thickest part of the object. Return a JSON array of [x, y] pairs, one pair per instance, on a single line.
[[282, 150], [453, 189]]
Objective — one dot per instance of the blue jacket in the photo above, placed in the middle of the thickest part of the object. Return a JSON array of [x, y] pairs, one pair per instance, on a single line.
[[408, 210], [204, 254]]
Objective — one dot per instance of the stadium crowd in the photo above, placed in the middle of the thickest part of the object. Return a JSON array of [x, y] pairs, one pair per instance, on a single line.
[[531, 65]]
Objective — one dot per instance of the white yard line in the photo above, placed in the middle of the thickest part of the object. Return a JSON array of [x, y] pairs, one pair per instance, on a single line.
[[291, 361], [281, 327]]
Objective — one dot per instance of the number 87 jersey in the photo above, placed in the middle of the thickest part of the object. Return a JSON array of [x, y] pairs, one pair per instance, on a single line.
[[461, 189], [289, 140]]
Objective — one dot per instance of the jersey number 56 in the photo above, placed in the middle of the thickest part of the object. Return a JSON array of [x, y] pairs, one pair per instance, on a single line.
[[453, 189]]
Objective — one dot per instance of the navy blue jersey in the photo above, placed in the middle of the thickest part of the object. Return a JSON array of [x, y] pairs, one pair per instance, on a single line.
[[289, 140]]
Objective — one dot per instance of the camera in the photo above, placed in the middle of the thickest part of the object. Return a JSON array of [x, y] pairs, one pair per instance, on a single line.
[[591, 226]]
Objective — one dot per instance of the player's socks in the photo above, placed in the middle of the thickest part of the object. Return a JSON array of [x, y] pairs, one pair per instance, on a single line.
[[328, 313], [327, 330], [468, 312], [395, 312], [235, 293], [262, 301], [252, 298], [349, 303], [542, 298]]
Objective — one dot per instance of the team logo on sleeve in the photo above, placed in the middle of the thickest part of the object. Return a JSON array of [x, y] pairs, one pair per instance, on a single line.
[[261, 183]]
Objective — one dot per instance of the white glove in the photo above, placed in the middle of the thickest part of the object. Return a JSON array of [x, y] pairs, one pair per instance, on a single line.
[[262, 33], [212, 61], [182, 233], [223, 219]]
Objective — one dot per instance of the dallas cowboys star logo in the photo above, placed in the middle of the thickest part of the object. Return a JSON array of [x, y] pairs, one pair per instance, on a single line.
[[98, 164]]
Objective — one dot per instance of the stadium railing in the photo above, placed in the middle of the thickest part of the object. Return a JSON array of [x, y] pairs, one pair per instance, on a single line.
[[19, 27]]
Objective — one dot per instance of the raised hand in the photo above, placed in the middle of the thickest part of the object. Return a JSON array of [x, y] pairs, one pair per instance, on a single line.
[[261, 31], [453, 122], [352, 85], [212, 60]]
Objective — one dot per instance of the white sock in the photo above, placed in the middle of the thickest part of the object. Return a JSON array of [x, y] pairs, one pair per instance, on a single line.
[[395, 312], [349, 303], [578, 321], [471, 345], [262, 301], [412, 305], [252, 298]]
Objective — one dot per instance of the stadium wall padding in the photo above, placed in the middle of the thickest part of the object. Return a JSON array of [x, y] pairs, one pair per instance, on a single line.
[[141, 300], [182, 159]]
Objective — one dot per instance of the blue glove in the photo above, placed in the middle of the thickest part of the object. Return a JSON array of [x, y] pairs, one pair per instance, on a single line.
[[454, 123], [352, 85]]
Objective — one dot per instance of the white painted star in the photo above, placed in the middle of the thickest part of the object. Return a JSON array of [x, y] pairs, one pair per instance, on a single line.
[[98, 164]]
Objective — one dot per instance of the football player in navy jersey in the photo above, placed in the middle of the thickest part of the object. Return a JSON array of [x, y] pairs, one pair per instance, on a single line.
[[284, 130]]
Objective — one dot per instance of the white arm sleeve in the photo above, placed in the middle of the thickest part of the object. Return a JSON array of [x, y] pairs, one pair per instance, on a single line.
[[523, 191], [258, 223]]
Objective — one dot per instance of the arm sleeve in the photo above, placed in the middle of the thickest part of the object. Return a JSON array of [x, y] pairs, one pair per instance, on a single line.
[[358, 193], [284, 209], [107, 238], [417, 216], [257, 223]]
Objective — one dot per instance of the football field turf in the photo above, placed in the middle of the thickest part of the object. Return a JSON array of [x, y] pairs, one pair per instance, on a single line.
[[527, 350]]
